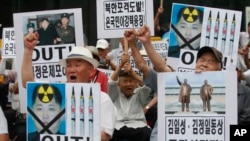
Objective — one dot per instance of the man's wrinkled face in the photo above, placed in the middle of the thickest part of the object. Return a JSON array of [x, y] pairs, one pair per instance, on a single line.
[[127, 85], [208, 62], [78, 70]]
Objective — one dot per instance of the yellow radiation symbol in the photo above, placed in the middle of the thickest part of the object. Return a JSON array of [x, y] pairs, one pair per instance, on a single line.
[[190, 14], [45, 93]]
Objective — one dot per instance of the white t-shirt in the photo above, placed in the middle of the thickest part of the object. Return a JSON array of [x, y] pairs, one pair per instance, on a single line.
[[108, 116], [3, 123]]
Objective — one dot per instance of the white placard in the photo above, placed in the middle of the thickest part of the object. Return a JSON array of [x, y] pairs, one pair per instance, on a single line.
[[114, 17], [175, 124], [9, 44], [193, 27]]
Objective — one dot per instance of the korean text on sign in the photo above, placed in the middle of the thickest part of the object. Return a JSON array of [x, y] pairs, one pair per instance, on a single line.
[[9, 48], [124, 14], [190, 128]]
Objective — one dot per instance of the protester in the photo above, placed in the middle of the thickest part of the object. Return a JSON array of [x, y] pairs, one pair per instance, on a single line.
[[129, 99], [149, 74], [243, 61], [209, 59], [243, 87], [98, 76], [103, 49]]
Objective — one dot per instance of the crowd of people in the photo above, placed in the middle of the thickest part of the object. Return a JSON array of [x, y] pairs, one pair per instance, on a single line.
[[128, 100]]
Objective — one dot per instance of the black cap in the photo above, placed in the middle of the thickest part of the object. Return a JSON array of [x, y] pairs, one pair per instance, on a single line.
[[217, 53], [123, 73], [30, 25], [65, 15]]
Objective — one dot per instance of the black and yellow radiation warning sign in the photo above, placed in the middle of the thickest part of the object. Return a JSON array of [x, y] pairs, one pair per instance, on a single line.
[[45, 93], [190, 14]]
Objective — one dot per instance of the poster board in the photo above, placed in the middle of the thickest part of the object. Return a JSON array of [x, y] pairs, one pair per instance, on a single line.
[[63, 111], [193, 27], [45, 57], [114, 17], [196, 124]]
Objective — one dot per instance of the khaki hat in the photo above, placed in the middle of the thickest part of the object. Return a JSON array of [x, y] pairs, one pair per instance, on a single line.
[[79, 52], [217, 53]]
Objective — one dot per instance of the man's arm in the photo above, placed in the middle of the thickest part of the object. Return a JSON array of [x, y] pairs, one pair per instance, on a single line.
[[141, 64], [158, 62], [137, 78], [127, 67], [115, 74], [150, 104], [30, 42], [157, 19]]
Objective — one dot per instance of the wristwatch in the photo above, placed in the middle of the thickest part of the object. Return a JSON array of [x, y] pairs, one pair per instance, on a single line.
[[147, 107]]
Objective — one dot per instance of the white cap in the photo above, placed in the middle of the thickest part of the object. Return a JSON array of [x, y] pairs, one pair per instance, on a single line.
[[102, 43], [80, 53]]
